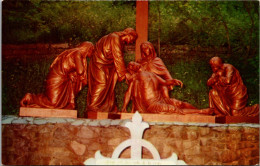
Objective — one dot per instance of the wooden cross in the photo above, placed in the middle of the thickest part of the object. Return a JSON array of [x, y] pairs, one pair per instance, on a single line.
[[141, 26]]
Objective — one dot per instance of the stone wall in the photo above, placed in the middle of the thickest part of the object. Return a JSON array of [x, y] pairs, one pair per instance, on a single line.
[[56, 141]]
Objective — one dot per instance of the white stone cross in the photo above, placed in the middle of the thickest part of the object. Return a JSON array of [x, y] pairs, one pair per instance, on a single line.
[[136, 143]]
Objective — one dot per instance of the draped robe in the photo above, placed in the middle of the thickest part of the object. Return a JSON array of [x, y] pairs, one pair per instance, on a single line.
[[105, 68], [155, 65], [230, 93], [147, 97], [60, 90]]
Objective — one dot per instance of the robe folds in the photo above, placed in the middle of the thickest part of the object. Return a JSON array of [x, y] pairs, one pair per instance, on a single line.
[[60, 89], [225, 97], [144, 91], [151, 63], [106, 67]]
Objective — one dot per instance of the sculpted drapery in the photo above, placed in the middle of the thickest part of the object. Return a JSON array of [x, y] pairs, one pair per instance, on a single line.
[[106, 67], [150, 62], [67, 76], [228, 95], [147, 97]]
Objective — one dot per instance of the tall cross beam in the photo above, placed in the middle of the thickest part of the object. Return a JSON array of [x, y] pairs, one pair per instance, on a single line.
[[141, 26]]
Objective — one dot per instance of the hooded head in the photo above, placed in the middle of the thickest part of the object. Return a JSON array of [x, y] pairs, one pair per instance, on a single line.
[[147, 51], [86, 48]]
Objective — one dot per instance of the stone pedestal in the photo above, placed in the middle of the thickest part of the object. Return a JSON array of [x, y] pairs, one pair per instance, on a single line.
[[47, 112], [172, 118], [193, 118], [154, 117], [237, 119], [103, 115]]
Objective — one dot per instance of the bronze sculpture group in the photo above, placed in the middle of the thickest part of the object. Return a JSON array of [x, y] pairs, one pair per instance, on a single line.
[[148, 79]]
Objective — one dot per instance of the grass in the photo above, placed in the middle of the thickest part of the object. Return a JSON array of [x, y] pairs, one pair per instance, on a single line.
[[194, 76]]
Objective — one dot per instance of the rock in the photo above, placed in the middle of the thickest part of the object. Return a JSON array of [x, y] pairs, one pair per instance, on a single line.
[[94, 123], [94, 146], [19, 121], [77, 122], [159, 123], [123, 122], [55, 120], [114, 141], [87, 121], [189, 144], [204, 131], [105, 122], [9, 116], [85, 132], [8, 120], [227, 156], [115, 122], [192, 135], [78, 148], [69, 120], [61, 133], [39, 121], [29, 119]]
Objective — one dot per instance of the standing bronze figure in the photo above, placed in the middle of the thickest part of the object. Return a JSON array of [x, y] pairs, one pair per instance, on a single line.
[[106, 67]]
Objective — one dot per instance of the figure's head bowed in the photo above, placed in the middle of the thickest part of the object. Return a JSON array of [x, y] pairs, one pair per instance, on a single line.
[[87, 48], [215, 63]]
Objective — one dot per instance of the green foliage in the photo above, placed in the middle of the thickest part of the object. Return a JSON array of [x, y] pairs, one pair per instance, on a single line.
[[63, 21], [81, 101], [205, 23], [202, 22], [193, 71]]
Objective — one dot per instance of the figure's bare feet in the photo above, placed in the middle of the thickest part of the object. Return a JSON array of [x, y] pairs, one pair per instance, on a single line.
[[27, 99], [207, 111], [180, 111]]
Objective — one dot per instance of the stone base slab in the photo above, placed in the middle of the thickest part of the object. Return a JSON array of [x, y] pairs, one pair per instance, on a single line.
[[149, 117], [103, 115], [172, 118], [47, 112], [154, 117], [237, 119]]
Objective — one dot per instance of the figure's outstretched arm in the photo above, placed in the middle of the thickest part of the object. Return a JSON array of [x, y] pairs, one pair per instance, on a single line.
[[127, 97], [169, 82]]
